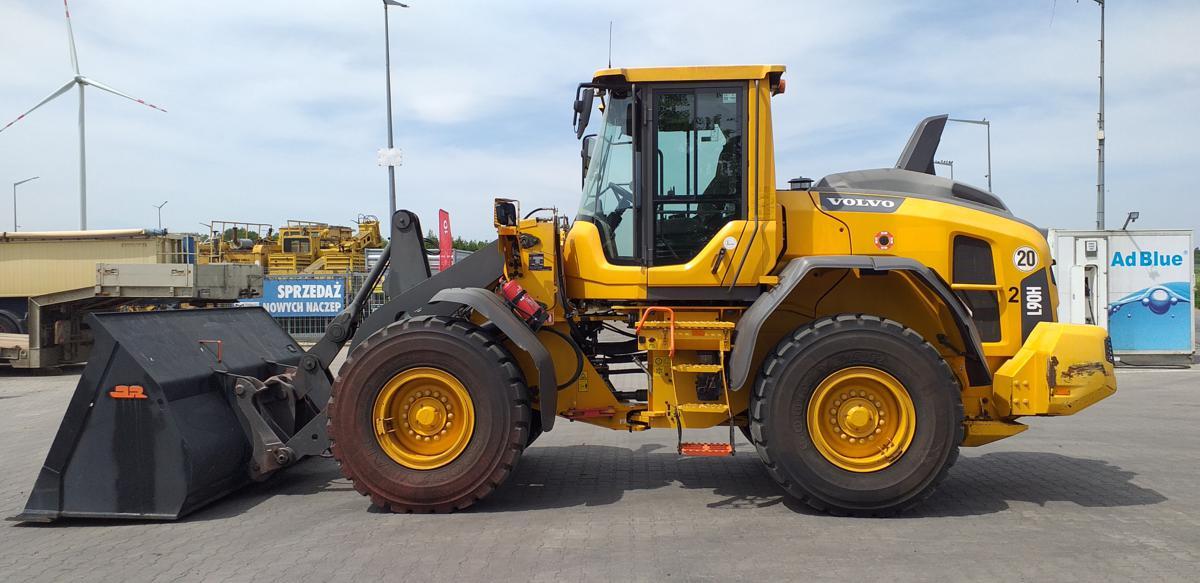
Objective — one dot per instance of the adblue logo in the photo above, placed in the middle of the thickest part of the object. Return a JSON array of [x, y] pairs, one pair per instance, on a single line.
[[1146, 259], [860, 203]]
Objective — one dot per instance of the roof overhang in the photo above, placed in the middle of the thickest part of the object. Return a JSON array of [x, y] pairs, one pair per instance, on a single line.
[[683, 74]]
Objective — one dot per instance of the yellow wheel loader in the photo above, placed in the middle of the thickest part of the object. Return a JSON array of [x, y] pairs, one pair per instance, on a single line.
[[858, 330]]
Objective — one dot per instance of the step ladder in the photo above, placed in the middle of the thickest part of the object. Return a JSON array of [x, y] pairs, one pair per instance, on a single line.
[[720, 345]]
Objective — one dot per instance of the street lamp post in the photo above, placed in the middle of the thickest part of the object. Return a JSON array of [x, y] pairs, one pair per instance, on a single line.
[[387, 63], [1100, 132], [159, 207], [15, 185], [988, 125], [949, 163]]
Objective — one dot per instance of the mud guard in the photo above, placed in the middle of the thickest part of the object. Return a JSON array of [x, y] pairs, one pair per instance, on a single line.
[[477, 270], [490, 306], [750, 325]]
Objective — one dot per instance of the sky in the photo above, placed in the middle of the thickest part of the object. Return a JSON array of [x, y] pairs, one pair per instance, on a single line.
[[276, 109]]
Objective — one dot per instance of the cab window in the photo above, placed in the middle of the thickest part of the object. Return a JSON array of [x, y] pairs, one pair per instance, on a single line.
[[297, 245], [608, 191], [697, 182]]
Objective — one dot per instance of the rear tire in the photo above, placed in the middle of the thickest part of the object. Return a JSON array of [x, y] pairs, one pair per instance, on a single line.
[[493, 388], [911, 374]]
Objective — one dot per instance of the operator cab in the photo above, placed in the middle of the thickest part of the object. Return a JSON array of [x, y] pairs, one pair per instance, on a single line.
[[668, 171]]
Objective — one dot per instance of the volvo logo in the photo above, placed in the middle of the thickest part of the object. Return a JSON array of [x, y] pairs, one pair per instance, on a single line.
[[860, 203]]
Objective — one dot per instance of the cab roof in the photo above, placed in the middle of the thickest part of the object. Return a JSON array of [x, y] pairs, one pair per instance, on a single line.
[[701, 73]]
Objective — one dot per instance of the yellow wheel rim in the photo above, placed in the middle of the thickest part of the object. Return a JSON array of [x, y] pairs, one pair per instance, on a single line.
[[423, 418], [861, 419]]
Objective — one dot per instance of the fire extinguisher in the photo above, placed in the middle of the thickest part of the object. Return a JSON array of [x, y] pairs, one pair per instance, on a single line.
[[530, 310]]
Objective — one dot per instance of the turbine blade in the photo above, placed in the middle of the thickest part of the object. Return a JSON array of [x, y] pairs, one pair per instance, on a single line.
[[71, 38], [99, 85], [60, 91]]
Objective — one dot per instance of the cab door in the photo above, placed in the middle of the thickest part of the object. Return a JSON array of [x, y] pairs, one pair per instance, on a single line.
[[694, 220]]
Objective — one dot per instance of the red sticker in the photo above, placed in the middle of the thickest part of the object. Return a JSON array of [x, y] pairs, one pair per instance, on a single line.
[[884, 240]]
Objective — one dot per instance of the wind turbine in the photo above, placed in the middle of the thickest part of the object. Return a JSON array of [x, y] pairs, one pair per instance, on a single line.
[[81, 81]]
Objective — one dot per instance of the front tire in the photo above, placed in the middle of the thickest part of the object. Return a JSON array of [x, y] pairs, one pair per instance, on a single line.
[[855, 414], [428, 415]]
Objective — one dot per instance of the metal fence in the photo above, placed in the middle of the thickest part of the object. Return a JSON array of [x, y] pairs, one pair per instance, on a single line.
[[310, 328]]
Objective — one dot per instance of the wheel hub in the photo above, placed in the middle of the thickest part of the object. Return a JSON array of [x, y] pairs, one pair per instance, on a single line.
[[415, 418], [861, 419]]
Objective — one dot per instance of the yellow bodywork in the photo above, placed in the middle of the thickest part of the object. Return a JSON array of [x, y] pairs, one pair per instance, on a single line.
[[1038, 367]]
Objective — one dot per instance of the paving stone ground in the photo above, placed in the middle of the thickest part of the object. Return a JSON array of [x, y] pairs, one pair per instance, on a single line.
[[1112, 494]]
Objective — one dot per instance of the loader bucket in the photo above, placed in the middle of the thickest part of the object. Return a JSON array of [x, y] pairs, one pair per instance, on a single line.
[[151, 432]]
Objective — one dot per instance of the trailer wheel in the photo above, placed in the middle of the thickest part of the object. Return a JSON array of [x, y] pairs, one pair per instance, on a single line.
[[855, 414], [9, 323], [428, 415]]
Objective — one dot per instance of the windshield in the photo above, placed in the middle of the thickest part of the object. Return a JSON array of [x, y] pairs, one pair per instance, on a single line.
[[608, 187]]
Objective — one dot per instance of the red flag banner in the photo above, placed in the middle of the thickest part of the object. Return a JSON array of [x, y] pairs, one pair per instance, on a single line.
[[445, 241]]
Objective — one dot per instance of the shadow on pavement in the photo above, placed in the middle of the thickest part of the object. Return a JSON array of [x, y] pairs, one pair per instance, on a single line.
[[595, 475], [987, 483], [592, 475]]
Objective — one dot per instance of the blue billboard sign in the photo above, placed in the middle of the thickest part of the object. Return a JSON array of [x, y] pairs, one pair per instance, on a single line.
[[291, 297]]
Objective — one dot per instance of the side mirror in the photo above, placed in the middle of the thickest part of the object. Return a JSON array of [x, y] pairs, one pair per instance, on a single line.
[[585, 154], [583, 109]]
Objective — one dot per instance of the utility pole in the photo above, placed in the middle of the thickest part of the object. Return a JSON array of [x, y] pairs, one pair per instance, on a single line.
[[159, 207], [15, 185], [983, 122], [1100, 132]]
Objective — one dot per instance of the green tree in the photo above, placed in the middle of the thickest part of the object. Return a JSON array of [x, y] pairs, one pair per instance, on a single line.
[[234, 233]]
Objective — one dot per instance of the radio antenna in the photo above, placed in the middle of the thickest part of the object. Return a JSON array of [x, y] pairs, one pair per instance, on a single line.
[[610, 44]]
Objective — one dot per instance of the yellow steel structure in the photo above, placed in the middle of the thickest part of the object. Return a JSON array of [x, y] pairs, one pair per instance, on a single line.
[[299, 247], [308, 247]]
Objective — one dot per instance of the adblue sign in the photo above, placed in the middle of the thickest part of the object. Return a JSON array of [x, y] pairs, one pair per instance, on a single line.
[[287, 298], [1146, 259]]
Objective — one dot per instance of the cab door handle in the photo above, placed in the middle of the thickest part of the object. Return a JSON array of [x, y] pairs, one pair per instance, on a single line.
[[717, 260]]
